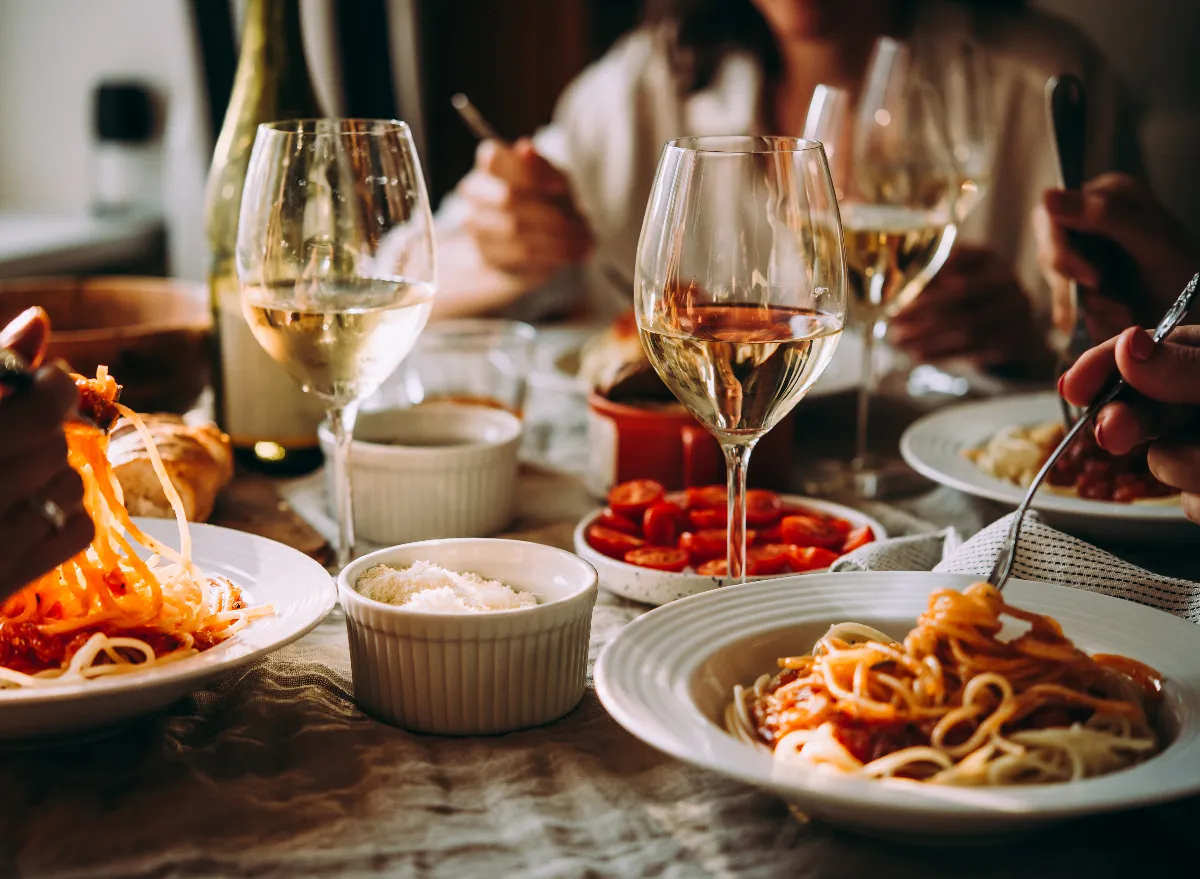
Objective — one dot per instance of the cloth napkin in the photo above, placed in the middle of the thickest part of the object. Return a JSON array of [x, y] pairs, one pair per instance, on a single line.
[[1044, 554]]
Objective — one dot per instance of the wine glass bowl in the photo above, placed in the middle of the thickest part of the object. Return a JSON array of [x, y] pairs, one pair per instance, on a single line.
[[740, 288], [899, 185], [335, 260]]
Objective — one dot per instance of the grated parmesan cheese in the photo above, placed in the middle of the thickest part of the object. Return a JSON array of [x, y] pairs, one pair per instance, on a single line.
[[427, 587]]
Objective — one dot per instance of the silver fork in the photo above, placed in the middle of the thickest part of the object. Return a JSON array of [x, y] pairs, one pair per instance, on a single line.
[[1002, 570]]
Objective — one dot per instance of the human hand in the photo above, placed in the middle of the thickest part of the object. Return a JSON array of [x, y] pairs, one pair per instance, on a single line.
[[1168, 413], [974, 308], [33, 465], [522, 217], [1126, 213]]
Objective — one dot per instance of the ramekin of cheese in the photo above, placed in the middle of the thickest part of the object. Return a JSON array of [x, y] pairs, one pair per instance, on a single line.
[[468, 636]]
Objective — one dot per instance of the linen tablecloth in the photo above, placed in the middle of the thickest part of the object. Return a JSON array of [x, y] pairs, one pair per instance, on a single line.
[[275, 772]]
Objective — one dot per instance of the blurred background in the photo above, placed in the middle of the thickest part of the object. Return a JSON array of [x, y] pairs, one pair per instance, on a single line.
[[127, 195]]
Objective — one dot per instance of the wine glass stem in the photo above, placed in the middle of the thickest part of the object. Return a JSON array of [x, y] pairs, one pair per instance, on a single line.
[[865, 390], [341, 422], [737, 460]]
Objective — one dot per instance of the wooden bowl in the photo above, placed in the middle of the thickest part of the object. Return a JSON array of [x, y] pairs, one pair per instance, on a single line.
[[152, 333]]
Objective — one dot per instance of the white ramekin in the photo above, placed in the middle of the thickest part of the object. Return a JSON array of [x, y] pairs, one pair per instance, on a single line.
[[408, 488], [474, 673]]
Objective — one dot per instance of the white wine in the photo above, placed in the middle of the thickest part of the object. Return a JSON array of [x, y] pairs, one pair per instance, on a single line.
[[890, 255], [343, 341], [741, 368]]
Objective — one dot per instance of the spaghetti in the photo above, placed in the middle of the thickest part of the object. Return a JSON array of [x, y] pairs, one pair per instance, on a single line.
[[954, 704], [107, 611]]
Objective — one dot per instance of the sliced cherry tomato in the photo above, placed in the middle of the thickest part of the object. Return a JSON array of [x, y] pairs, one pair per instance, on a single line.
[[770, 559], [632, 499], [662, 523], [713, 568], [810, 558], [810, 531], [612, 543], [707, 517], [706, 497], [842, 526], [611, 519], [709, 543], [660, 558], [858, 537], [774, 534], [762, 507], [703, 545]]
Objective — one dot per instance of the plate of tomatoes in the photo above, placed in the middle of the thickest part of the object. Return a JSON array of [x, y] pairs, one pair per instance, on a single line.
[[654, 546]]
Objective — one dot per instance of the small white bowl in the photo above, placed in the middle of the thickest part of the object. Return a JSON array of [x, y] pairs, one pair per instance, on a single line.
[[436, 470], [474, 673], [649, 586]]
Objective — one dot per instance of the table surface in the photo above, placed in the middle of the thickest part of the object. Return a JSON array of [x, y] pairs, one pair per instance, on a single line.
[[275, 772]]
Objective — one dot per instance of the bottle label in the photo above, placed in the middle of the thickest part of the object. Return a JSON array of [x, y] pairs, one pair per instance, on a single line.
[[262, 403]]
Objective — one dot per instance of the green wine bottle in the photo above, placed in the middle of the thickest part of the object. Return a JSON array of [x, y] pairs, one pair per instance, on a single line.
[[272, 422]]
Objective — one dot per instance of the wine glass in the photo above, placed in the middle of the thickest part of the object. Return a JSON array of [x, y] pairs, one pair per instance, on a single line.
[[963, 79], [898, 185], [335, 259], [740, 289]]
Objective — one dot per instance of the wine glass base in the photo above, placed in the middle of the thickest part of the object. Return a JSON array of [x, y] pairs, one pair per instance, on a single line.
[[873, 479]]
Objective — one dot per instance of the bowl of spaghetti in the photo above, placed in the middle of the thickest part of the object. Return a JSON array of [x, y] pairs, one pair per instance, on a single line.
[[150, 609], [919, 705]]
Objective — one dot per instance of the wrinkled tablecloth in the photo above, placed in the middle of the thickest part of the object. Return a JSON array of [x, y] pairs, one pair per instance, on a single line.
[[273, 772]]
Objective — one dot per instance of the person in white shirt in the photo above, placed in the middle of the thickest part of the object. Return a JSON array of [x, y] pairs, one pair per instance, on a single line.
[[575, 193]]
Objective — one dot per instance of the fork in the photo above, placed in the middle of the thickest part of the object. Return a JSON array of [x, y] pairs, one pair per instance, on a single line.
[[1002, 570], [1066, 107]]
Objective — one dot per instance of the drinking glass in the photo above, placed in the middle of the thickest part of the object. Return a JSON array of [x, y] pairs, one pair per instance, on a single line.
[[740, 289], [471, 361], [898, 184], [335, 259]]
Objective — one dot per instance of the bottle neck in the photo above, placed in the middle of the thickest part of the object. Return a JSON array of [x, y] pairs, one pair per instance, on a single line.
[[273, 47]]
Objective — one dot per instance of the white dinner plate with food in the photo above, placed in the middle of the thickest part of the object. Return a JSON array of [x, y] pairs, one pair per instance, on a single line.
[[669, 679], [939, 446], [299, 591], [657, 587]]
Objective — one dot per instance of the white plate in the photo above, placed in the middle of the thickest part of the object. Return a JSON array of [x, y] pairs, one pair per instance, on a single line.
[[668, 676], [301, 591], [660, 587], [935, 445]]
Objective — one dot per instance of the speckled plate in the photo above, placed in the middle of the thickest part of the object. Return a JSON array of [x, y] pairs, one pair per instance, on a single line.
[[659, 587]]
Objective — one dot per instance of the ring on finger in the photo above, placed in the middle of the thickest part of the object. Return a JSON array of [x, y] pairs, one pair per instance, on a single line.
[[55, 515]]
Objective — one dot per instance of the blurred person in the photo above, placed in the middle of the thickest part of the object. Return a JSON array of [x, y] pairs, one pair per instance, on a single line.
[[1164, 257], [575, 193], [42, 519]]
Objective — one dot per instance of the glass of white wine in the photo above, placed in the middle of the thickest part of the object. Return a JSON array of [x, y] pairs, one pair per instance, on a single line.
[[335, 259], [740, 289], [898, 185]]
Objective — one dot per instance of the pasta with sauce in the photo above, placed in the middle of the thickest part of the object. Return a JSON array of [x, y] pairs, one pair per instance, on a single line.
[[107, 611], [953, 703]]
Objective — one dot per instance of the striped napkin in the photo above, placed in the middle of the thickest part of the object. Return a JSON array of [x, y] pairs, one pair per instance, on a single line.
[[1044, 555]]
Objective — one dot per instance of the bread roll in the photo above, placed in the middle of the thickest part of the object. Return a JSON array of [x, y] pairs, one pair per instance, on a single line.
[[197, 457]]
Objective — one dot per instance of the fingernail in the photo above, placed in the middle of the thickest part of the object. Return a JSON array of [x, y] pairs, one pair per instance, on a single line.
[[1141, 346], [1061, 379], [1099, 432], [17, 325]]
